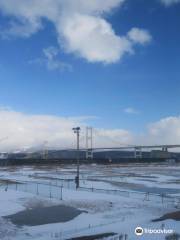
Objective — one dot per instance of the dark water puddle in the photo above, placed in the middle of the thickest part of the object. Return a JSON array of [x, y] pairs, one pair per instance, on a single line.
[[44, 215]]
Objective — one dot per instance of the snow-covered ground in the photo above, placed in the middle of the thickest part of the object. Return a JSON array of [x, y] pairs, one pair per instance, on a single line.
[[104, 211]]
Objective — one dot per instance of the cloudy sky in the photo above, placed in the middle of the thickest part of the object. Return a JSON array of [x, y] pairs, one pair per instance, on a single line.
[[114, 66]]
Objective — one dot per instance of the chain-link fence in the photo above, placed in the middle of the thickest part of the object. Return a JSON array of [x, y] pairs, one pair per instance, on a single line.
[[55, 190]]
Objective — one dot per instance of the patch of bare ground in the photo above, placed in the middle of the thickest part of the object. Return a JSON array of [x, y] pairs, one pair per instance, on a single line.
[[94, 237], [174, 182], [173, 215], [4, 181]]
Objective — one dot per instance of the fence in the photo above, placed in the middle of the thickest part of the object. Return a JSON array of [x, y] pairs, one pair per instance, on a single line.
[[51, 190], [146, 196], [66, 234], [55, 190], [41, 189]]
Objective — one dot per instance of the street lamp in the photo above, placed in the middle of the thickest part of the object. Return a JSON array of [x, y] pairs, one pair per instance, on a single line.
[[77, 131]]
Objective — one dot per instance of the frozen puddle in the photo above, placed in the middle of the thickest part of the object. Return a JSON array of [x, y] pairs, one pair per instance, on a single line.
[[44, 215]]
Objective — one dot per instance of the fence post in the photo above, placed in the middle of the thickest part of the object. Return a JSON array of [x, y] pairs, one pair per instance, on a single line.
[[25, 186], [50, 190], [125, 237], [6, 187], [121, 237], [37, 189], [162, 198], [61, 192], [146, 197]]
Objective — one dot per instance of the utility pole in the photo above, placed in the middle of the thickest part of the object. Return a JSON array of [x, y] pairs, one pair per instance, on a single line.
[[77, 131]]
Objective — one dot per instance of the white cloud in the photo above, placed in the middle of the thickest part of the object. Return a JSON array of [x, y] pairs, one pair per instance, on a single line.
[[31, 131], [51, 61], [93, 39], [25, 28], [131, 110], [139, 36], [166, 130], [50, 52], [112, 137], [170, 2], [80, 25]]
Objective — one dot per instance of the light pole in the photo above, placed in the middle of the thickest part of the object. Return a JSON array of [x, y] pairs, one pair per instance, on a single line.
[[77, 131]]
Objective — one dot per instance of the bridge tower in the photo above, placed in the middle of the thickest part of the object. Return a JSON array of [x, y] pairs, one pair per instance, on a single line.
[[89, 143], [45, 150], [165, 149], [138, 152]]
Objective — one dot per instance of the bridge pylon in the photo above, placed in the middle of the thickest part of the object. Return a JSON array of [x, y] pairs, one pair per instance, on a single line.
[[89, 143], [138, 152]]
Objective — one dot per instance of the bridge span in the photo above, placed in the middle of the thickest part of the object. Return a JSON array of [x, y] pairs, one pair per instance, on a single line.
[[138, 149]]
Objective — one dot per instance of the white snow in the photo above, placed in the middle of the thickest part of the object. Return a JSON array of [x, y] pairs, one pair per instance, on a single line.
[[104, 212]]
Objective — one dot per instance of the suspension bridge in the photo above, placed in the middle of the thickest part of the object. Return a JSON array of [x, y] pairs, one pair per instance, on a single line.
[[91, 138], [137, 149]]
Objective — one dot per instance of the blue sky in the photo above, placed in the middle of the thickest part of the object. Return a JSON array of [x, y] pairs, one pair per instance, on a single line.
[[41, 74]]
